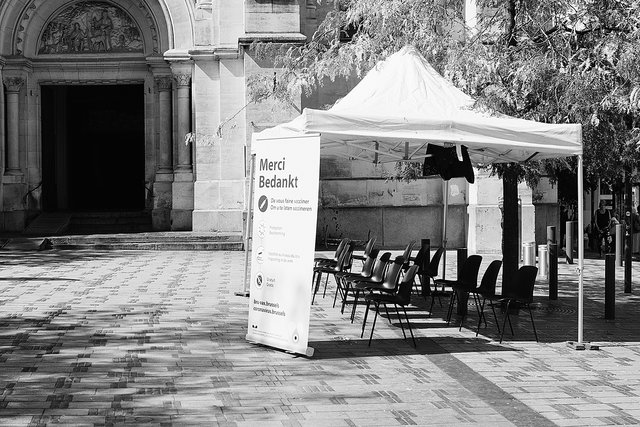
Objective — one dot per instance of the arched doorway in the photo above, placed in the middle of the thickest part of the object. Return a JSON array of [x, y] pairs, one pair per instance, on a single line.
[[113, 70], [83, 109], [93, 147]]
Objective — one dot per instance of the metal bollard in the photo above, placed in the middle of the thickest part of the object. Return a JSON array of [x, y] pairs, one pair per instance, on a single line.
[[551, 234], [553, 271], [609, 286], [568, 246], [628, 258], [462, 297], [542, 260], [619, 243], [529, 253]]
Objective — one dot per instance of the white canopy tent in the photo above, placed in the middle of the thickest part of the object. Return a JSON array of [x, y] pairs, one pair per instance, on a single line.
[[403, 104]]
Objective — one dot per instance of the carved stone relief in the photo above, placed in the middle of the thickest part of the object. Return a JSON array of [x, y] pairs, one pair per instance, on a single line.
[[91, 27], [13, 84], [164, 83], [182, 79]]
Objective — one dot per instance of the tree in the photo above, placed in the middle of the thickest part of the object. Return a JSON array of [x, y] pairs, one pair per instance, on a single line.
[[555, 61]]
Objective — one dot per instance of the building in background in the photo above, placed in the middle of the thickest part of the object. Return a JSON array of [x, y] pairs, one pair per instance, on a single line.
[[141, 108]]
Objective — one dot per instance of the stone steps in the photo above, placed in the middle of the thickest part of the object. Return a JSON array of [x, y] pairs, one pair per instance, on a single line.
[[48, 224], [151, 241], [168, 241]]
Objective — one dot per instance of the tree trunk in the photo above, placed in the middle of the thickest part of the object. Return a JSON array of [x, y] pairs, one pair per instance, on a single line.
[[511, 23], [510, 246], [510, 227]]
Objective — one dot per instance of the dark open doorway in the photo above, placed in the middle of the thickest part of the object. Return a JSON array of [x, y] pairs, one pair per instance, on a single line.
[[93, 147]]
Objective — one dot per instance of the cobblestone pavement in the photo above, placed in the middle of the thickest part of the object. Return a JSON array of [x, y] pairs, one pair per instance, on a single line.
[[157, 338]]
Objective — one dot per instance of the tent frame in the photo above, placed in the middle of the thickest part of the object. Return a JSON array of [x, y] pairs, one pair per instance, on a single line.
[[403, 103], [580, 269]]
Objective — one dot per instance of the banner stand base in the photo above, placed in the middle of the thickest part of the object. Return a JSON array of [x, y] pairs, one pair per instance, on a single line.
[[242, 293], [582, 346], [307, 353]]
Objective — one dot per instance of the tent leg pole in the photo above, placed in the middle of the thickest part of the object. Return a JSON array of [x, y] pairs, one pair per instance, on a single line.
[[248, 229], [444, 227], [580, 248]]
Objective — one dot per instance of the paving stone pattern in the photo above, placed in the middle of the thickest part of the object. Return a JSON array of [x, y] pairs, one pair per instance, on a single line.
[[157, 338]]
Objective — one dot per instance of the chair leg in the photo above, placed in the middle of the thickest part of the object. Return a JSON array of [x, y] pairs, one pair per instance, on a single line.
[[504, 319], [399, 320], [355, 304], [532, 322], [510, 326], [364, 321], [476, 300], [373, 326], [433, 299], [464, 315], [345, 293], [315, 291], [325, 286], [409, 326], [387, 311], [480, 314], [338, 289], [450, 310], [495, 316]]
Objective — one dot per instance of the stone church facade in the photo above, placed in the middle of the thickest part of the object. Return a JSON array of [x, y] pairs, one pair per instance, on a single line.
[[114, 105], [118, 105]]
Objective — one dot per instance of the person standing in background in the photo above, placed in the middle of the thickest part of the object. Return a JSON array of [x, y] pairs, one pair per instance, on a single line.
[[602, 224], [635, 230]]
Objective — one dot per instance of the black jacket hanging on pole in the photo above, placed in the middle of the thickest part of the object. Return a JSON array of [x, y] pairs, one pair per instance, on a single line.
[[444, 161]]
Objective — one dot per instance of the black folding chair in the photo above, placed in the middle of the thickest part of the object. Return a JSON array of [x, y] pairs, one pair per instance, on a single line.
[[520, 293], [401, 298]]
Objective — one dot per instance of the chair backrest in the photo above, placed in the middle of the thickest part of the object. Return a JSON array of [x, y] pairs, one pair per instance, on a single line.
[[524, 282], [489, 278], [406, 285], [407, 253], [380, 267], [369, 246], [432, 269], [348, 259], [390, 282], [420, 258], [345, 258], [367, 268], [341, 246], [469, 273]]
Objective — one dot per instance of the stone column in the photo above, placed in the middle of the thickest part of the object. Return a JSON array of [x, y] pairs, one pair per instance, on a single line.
[[183, 127], [13, 85], [182, 188], [162, 194], [485, 229], [13, 215], [164, 128]]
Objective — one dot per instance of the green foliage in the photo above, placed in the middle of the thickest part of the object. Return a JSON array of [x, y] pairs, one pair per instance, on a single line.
[[554, 61], [406, 171]]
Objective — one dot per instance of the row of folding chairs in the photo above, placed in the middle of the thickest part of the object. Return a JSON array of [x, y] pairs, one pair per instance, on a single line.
[[380, 281], [384, 281]]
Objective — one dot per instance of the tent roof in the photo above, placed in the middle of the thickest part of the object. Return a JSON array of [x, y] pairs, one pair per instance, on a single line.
[[403, 104]]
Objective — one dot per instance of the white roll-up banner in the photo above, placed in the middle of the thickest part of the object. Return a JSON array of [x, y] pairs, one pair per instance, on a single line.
[[285, 209]]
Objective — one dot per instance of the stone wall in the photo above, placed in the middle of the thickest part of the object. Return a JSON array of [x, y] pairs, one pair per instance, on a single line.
[[396, 212]]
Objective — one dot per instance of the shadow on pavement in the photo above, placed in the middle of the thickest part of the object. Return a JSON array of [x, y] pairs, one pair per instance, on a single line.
[[55, 257], [336, 349]]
